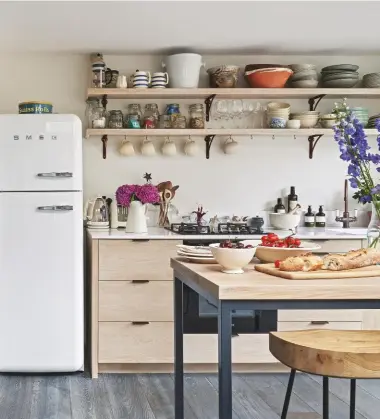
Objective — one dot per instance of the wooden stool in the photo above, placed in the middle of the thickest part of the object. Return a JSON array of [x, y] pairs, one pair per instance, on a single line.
[[330, 353]]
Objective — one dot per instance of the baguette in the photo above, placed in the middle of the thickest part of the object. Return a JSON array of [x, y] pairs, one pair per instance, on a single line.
[[351, 260], [304, 263]]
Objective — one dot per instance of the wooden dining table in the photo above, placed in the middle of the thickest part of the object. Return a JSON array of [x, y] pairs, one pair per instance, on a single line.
[[253, 290]]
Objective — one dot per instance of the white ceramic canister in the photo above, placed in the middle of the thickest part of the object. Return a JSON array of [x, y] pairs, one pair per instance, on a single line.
[[160, 80], [169, 148], [183, 69], [141, 79], [191, 147], [147, 148]]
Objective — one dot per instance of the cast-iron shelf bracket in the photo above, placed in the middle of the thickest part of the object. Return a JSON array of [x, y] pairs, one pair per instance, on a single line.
[[104, 101], [314, 101], [208, 139], [208, 103], [104, 141], [313, 140]]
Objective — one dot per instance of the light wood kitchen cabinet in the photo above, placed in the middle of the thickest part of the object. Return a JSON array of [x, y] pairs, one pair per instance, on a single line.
[[131, 313]]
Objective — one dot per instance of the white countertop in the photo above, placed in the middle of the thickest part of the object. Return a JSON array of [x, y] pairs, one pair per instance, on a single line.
[[157, 233]]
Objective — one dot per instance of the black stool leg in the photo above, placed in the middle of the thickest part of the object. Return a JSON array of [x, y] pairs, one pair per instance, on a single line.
[[325, 398], [352, 398], [288, 394]]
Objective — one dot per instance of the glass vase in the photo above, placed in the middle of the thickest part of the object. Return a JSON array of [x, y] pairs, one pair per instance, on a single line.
[[373, 231]]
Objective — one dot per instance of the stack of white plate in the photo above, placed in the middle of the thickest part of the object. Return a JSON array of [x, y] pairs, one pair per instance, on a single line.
[[196, 254]]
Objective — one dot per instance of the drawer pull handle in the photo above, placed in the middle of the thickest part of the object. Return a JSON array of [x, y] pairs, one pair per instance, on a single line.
[[140, 240], [140, 323], [319, 322], [140, 281]]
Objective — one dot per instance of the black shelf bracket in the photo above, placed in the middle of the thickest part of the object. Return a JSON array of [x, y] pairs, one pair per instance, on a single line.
[[104, 101], [208, 103], [104, 141], [313, 140], [314, 101], [208, 139]]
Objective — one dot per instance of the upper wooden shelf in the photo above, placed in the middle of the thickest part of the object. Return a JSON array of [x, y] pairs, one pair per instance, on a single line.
[[245, 93]]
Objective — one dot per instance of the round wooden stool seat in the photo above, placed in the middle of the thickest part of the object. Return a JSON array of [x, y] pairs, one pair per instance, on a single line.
[[333, 353]]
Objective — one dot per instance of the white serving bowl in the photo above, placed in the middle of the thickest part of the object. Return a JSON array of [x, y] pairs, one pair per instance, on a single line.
[[233, 260], [293, 124], [271, 254], [284, 221]]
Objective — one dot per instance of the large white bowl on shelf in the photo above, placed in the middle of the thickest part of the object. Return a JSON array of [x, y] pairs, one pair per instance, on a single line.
[[271, 254], [233, 260], [284, 221]]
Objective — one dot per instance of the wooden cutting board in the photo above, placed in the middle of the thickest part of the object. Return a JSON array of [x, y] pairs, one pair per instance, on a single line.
[[368, 271]]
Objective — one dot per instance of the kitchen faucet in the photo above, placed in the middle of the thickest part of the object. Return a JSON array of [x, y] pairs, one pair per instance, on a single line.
[[346, 219]]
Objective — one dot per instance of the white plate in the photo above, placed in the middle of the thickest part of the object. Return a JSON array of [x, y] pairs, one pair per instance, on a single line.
[[208, 256], [199, 260], [198, 250]]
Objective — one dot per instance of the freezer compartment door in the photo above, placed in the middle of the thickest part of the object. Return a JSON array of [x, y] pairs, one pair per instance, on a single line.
[[41, 282], [40, 152]]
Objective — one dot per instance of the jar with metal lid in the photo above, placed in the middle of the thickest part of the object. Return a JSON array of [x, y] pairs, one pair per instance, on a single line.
[[115, 120], [172, 108], [133, 122], [134, 109], [165, 122], [98, 117], [151, 114], [197, 116], [178, 121]]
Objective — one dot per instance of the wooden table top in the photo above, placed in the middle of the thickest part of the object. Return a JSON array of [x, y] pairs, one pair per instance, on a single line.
[[254, 285]]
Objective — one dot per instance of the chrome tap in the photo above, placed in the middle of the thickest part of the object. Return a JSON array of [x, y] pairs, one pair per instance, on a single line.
[[345, 218]]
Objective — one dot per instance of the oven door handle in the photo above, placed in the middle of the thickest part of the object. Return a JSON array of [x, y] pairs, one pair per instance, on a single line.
[[235, 335]]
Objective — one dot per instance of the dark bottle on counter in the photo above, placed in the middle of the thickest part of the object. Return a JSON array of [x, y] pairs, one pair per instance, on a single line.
[[309, 218], [320, 218], [279, 207], [292, 199]]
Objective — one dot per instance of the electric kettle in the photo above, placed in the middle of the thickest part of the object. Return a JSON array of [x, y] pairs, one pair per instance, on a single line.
[[96, 213]]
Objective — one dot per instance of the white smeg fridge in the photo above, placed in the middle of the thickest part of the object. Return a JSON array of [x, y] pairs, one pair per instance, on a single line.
[[41, 243]]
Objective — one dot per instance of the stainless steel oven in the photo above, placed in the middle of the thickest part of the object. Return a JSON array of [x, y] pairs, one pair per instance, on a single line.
[[200, 315]]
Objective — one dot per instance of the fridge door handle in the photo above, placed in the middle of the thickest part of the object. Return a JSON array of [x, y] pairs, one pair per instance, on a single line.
[[56, 208], [55, 174]]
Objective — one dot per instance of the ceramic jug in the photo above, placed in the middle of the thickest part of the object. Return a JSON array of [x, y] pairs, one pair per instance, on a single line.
[[183, 69], [136, 221], [121, 82]]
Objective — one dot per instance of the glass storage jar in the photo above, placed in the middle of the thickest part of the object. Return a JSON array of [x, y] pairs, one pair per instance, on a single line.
[[134, 109], [91, 105], [197, 117], [165, 122], [98, 117], [151, 115], [115, 120], [133, 122], [172, 108], [178, 121]]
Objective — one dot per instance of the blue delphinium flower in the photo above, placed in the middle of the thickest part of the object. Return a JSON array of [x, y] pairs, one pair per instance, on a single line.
[[353, 183], [365, 199]]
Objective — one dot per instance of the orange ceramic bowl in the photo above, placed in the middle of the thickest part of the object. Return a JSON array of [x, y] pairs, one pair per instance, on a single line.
[[268, 77]]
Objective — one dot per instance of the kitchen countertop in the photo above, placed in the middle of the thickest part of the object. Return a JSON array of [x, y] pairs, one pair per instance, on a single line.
[[157, 233]]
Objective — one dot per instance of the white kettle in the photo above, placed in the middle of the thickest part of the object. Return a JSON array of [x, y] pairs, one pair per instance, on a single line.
[[96, 213]]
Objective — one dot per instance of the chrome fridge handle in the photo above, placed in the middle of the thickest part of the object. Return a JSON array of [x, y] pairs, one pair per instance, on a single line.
[[56, 208], [55, 174]]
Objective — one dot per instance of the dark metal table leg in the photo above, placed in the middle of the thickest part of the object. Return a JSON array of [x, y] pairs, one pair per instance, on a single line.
[[178, 349], [352, 398], [325, 398], [225, 361], [288, 394]]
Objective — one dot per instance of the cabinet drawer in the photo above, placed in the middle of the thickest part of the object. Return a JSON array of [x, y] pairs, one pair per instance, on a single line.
[[290, 326], [129, 301], [337, 246], [124, 342], [321, 315], [125, 260]]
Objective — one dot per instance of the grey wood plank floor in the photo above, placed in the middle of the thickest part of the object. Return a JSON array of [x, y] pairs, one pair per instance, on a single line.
[[150, 396]]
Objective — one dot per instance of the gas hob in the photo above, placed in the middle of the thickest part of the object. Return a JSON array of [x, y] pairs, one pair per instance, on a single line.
[[219, 229]]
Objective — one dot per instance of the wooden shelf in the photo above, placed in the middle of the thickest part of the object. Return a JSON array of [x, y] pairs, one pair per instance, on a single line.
[[238, 93], [214, 131]]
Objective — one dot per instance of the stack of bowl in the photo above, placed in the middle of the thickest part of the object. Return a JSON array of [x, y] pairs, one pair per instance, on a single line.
[[309, 119], [305, 75], [372, 121], [371, 80], [340, 76], [328, 120], [267, 75], [277, 114], [361, 114]]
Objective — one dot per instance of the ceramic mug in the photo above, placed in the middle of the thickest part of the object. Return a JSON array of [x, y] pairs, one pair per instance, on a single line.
[[141, 79], [147, 148], [191, 147], [160, 80], [230, 146], [169, 148], [121, 82], [126, 148]]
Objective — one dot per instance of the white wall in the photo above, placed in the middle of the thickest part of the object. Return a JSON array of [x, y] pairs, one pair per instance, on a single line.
[[245, 183]]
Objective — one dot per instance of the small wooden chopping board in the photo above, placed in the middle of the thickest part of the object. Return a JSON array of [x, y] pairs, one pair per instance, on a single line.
[[368, 271]]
